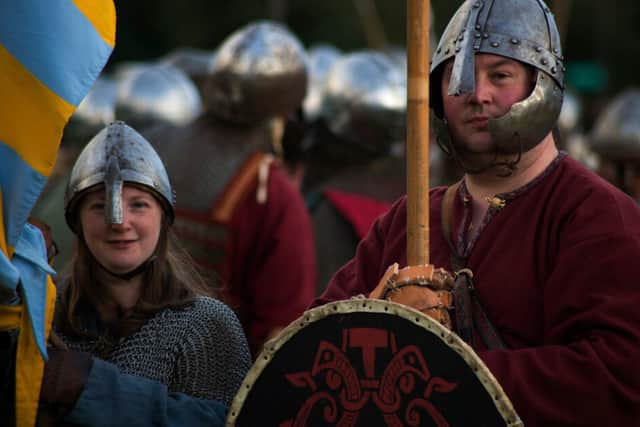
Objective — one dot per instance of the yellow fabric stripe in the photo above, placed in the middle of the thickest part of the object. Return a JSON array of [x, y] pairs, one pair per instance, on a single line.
[[26, 100], [10, 317], [101, 14], [3, 238], [29, 363]]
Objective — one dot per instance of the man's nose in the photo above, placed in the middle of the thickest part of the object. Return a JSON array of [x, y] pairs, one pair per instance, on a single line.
[[482, 93]]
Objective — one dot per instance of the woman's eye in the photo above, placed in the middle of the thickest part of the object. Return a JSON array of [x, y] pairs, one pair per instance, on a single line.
[[97, 206]]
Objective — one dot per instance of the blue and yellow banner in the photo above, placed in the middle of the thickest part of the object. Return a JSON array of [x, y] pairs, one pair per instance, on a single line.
[[51, 52]]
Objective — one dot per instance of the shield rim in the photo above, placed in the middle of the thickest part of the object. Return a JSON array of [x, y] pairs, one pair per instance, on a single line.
[[501, 401]]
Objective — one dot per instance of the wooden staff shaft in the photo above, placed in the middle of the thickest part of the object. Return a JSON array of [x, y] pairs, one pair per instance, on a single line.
[[417, 149]]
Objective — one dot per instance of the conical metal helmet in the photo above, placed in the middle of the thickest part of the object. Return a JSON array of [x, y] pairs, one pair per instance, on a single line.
[[157, 94], [259, 72], [523, 30], [616, 134], [364, 101], [117, 155]]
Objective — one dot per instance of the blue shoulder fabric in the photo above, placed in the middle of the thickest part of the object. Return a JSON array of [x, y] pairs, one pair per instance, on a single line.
[[111, 398], [29, 269]]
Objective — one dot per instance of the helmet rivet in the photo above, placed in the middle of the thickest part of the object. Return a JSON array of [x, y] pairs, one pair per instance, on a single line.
[[477, 4], [544, 61], [555, 50], [495, 44], [461, 38], [538, 49], [477, 35], [478, 27], [446, 52], [515, 41], [564, 69], [485, 36], [439, 50], [554, 70], [458, 49]]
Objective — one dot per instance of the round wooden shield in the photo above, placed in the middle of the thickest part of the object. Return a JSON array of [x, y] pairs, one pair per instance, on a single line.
[[365, 362]]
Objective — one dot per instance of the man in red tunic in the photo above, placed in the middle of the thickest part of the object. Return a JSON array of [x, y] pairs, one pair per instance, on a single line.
[[239, 216], [553, 248]]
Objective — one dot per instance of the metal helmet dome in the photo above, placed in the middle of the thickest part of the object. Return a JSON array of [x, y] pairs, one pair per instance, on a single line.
[[365, 101], [616, 133], [259, 72], [523, 30], [117, 155], [321, 58], [155, 94]]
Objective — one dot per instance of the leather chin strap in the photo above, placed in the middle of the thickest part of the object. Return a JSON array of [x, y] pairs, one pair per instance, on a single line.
[[130, 274]]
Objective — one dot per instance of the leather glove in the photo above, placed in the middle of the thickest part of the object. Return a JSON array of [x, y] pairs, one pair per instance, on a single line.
[[423, 288], [65, 375]]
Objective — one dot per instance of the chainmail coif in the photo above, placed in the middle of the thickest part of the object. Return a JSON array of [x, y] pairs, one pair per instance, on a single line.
[[200, 351]]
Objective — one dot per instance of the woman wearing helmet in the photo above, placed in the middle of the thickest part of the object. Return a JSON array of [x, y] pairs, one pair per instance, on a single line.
[[147, 345]]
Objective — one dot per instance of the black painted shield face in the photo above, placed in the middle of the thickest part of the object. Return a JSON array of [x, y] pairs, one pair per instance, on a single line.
[[369, 363]]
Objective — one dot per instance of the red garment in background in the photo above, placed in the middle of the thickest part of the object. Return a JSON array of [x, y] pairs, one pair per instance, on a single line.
[[359, 211], [271, 259], [557, 272]]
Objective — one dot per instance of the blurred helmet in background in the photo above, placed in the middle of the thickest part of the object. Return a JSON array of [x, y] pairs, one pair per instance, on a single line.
[[321, 58], [96, 110], [157, 94], [616, 133], [259, 72], [365, 101], [196, 63]]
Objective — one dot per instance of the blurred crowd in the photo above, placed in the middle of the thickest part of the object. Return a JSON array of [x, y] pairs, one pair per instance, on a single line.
[[282, 156]]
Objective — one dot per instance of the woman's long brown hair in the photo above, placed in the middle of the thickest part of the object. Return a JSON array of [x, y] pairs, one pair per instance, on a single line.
[[171, 280]]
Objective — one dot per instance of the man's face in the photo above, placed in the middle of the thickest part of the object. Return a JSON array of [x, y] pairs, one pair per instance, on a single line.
[[500, 82]]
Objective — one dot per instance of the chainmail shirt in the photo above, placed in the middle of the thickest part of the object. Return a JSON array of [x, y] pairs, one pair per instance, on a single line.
[[200, 350]]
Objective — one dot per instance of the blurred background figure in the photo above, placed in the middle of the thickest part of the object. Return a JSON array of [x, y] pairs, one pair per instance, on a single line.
[[616, 140], [238, 213], [573, 138]]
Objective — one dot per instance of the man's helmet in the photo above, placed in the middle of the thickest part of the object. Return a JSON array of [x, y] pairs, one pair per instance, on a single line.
[[616, 134], [523, 30], [117, 155], [321, 59], [365, 101], [157, 94], [259, 72]]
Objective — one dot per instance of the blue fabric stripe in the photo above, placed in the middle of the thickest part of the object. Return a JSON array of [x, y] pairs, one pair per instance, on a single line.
[[39, 33], [31, 261], [21, 187]]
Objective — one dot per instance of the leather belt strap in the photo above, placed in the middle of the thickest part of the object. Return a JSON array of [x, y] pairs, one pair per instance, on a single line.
[[469, 312]]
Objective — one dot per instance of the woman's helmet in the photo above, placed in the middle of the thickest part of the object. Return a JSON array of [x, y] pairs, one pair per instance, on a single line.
[[117, 155], [523, 30]]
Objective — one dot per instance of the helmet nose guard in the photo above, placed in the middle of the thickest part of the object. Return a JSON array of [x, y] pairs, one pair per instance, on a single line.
[[117, 154]]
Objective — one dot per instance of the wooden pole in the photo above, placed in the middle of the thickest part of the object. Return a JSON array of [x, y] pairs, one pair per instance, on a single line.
[[417, 149]]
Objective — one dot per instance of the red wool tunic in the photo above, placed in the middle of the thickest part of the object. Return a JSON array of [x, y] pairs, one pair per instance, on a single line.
[[271, 261], [557, 271]]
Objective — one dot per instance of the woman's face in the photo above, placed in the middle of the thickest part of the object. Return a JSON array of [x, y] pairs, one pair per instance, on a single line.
[[122, 247]]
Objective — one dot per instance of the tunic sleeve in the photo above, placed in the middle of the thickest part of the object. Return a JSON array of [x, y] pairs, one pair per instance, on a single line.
[[111, 398], [585, 372]]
